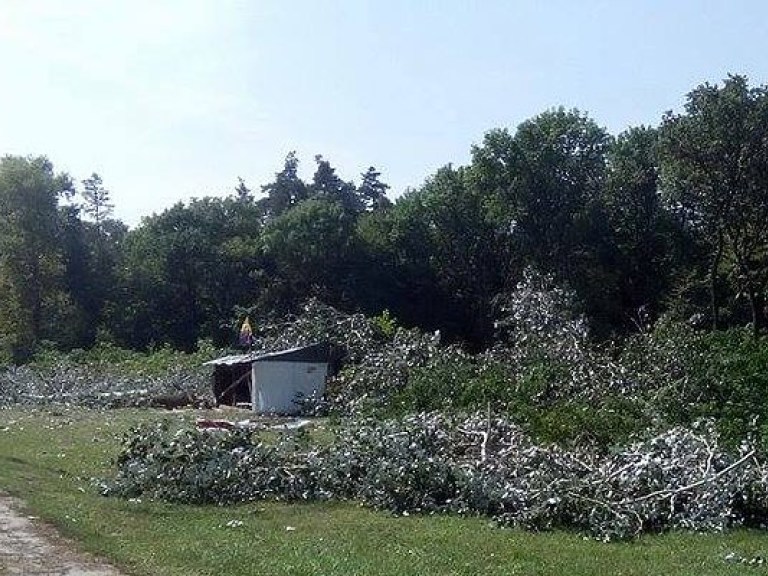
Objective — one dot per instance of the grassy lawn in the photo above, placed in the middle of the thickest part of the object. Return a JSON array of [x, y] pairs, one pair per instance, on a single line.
[[47, 457]]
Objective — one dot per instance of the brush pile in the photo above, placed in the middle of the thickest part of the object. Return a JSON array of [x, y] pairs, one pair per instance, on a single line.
[[475, 465]]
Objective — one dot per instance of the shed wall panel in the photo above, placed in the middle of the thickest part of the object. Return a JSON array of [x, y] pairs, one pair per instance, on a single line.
[[279, 384]]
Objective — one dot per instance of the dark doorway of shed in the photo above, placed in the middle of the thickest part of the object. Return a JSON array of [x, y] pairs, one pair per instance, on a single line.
[[232, 384]]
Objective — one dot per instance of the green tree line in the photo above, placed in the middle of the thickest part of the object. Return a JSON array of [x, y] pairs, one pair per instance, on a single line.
[[671, 219]]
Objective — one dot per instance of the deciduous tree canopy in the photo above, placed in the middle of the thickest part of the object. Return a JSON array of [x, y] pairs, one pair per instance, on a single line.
[[657, 220]]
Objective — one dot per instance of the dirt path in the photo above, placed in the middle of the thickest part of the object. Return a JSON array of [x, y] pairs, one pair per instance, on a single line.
[[31, 548]]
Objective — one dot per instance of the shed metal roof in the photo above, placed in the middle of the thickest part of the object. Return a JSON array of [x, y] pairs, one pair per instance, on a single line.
[[318, 352]]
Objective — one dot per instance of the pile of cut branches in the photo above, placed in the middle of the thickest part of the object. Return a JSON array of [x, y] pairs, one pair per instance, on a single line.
[[434, 463], [66, 383]]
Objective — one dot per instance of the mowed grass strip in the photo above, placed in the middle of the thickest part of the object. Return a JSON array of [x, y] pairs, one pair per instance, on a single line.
[[47, 458]]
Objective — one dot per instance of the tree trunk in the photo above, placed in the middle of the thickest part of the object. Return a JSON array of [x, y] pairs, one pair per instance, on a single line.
[[713, 295], [757, 303]]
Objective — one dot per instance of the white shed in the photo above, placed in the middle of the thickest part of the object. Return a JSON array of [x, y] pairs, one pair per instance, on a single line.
[[272, 383]]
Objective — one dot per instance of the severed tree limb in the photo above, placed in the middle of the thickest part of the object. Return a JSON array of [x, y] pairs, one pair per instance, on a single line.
[[670, 492]]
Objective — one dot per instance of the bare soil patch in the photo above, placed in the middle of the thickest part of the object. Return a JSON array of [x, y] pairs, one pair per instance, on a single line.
[[30, 547]]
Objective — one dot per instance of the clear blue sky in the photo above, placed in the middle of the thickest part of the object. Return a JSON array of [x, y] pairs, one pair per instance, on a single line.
[[170, 99]]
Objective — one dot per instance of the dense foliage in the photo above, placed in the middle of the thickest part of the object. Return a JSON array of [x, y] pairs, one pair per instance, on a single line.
[[668, 220], [543, 372]]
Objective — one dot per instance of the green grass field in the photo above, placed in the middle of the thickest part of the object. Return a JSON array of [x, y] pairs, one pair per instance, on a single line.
[[48, 457]]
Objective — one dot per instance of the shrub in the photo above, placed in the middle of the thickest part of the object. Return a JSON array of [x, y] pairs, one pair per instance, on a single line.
[[686, 375]]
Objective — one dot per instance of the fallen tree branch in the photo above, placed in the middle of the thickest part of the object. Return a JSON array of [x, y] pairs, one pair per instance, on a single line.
[[669, 491]]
